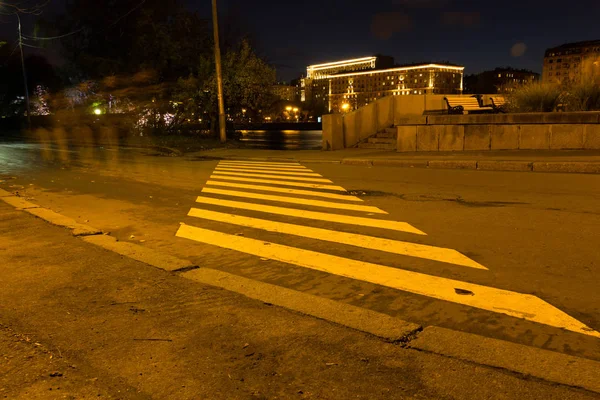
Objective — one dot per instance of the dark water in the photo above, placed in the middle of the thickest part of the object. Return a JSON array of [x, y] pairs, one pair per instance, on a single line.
[[282, 139]]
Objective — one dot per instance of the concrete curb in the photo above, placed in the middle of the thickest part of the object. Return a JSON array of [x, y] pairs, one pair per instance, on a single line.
[[453, 164], [140, 253], [574, 167], [357, 161], [505, 165], [18, 202], [528, 361], [364, 320], [60, 220], [94, 236], [401, 163], [567, 167]]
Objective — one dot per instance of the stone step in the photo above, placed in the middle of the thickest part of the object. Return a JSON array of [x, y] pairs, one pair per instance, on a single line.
[[382, 140], [393, 130], [380, 146], [386, 135]]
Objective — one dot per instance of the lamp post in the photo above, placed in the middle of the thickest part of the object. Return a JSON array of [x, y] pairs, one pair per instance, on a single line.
[[222, 122]]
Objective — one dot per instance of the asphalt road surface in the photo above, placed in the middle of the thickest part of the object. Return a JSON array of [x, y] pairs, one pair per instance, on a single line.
[[508, 255]]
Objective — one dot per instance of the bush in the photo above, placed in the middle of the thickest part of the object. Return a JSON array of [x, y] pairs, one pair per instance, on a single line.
[[582, 96], [534, 97]]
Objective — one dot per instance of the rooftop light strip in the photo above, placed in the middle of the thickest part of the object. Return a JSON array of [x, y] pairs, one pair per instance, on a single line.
[[379, 71], [342, 63]]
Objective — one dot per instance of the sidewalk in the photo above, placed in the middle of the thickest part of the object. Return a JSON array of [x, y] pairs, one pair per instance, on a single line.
[[124, 330], [567, 161]]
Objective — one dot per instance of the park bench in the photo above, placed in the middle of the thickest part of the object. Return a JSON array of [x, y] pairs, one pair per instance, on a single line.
[[465, 105], [498, 103]]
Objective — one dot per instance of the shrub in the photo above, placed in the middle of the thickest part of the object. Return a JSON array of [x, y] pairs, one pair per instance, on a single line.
[[534, 97], [583, 95]]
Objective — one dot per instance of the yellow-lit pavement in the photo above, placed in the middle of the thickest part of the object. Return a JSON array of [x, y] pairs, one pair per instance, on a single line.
[[290, 181]]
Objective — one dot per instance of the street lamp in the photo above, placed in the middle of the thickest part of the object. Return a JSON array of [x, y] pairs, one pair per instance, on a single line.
[[295, 109], [97, 111], [288, 108], [345, 106]]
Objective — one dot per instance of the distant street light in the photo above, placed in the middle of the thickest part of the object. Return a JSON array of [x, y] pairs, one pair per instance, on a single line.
[[295, 109], [97, 111], [289, 108], [345, 106]]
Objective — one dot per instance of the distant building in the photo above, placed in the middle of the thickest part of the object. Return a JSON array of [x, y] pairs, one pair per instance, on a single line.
[[572, 61], [489, 82], [354, 83], [286, 92]]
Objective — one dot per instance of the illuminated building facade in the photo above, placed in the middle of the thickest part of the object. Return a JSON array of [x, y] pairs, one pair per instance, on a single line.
[[350, 84], [572, 62]]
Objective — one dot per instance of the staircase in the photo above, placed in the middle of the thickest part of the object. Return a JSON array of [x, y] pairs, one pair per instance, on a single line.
[[384, 140]]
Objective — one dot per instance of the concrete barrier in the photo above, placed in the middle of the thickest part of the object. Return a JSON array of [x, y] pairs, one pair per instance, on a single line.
[[567, 136], [477, 132], [385, 113], [477, 137], [428, 137], [333, 132], [504, 137], [406, 138], [534, 136], [591, 136], [452, 138], [532, 131]]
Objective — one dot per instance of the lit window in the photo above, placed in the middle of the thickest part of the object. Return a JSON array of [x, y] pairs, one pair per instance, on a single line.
[[499, 75]]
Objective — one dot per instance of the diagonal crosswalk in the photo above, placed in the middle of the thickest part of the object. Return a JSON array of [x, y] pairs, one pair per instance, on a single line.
[[297, 186]]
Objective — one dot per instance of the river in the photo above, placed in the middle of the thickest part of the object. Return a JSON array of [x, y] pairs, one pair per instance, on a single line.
[[282, 139]]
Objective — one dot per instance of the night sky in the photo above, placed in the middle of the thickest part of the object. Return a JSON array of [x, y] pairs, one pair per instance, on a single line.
[[477, 34]]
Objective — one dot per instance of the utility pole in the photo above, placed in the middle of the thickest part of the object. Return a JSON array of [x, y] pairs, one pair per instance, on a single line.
[[24, 75], [222, 121]]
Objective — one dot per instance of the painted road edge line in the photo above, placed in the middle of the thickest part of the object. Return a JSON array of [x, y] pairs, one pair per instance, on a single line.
[[517, 305], [364, 320], [529, 361], [295, 200], [408, 249]]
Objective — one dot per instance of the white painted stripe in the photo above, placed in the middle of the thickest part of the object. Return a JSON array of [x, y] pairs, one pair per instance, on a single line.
[[291, 163], [320, 216], [295, 200], [368, 242], [285, 190], [260, 166], [273, 176], [517, 305], [282, 183], [268, 172]]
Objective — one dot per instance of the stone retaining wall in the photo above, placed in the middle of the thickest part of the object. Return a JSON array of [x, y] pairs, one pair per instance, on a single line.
[[577, 130]]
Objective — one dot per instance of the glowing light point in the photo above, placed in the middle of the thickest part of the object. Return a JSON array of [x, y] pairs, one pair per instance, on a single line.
[[97, 111]]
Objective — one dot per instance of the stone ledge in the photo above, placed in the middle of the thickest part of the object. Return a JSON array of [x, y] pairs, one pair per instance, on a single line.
[[453, 164], [505, 165], [401, 163], [567, 167]]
